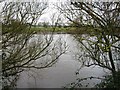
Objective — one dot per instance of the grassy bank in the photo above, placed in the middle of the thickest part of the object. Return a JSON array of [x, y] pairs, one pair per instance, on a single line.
[[68, 30]]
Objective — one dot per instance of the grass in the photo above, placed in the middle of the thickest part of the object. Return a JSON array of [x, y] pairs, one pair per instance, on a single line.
[[68, 30]]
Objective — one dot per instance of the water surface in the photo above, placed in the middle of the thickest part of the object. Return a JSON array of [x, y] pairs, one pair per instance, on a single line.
[[63, 72]]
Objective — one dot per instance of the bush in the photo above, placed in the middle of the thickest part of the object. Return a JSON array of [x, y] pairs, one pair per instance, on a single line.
[[108, 82]]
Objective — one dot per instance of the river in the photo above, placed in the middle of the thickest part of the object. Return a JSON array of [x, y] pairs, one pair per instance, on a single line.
[[61, 73]]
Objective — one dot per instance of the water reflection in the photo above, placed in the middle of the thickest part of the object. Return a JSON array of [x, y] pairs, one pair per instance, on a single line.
[[62, 73]]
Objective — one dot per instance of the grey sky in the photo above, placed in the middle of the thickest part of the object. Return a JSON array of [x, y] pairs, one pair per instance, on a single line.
[[46, 17], [52, 10]]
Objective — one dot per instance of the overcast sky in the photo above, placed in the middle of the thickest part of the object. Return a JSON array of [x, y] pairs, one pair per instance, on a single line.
[[49, 11], [52, 10], [46, 17]]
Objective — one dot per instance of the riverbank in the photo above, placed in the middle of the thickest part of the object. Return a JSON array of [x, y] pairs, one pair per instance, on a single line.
[[70, 30]]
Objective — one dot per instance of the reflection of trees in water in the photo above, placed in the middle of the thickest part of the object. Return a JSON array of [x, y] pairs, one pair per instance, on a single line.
[[22, 49]]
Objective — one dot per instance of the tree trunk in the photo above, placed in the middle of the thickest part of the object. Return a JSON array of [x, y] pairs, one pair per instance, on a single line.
[[113, 67]]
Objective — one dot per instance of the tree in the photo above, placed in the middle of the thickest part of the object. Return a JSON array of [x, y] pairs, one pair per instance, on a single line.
[[103, 48], [21, 48]]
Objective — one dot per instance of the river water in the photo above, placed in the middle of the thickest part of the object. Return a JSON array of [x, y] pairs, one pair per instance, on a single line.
[[61, 73]]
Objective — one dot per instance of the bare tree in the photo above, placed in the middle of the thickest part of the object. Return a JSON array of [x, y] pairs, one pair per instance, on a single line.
[[103, 48], [21, 47]]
